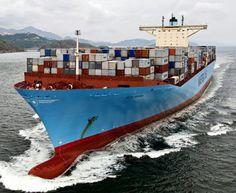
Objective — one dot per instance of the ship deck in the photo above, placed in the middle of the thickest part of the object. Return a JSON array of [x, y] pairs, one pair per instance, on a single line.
[[68, 82]]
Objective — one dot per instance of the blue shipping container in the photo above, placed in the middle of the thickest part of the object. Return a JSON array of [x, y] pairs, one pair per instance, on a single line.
[[48, 52], [105, 51], [131, 53], [171, 64], [117, 53], [123, 58], [66, 57]]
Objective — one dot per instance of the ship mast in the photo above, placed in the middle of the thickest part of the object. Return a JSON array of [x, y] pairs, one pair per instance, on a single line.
[[173, 35], [77, 66]]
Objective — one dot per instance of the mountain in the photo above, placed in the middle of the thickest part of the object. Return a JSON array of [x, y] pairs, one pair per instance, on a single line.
[[29, 41], [25, 40], [65, 44], [33, 30], [6, 47]]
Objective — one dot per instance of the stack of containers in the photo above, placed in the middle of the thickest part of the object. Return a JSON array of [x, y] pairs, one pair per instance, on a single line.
[[139, 67], [180, 63], [160, 57], [120, 68], [95, 63], [191, 59]]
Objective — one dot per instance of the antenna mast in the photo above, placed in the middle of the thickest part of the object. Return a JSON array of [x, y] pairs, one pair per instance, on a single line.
[[77, 66]]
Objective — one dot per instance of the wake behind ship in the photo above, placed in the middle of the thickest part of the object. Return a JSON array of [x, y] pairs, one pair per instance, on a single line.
[[87, 98]]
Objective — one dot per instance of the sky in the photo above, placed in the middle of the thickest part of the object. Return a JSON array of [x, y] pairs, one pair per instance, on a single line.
[[115, 20]]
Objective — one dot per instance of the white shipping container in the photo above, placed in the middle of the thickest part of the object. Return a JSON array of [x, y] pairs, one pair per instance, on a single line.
[[180, 51], [172, 58], [98, 72], [152, 69], [60, 64], [120, 65], [72, 64], [105, 65], [92, 57], [128, 63], [91, 72], [144, 63], [35, 61], [112, 65], [149, 77], [41, 61], [60, 57], [128, 71], [161, 76], [124, 53], [104, 72], [112, 52], [172, 71], [192, 69], [46, 70], [161, 61], [159, 53], [71, 50], [176, 79], [181, 77], [135, 71], [42, 52], [85, 65], [58, 51], [101, 57], [179, 64], [35, 68], [178, 58], [111, 72], [54, 70]]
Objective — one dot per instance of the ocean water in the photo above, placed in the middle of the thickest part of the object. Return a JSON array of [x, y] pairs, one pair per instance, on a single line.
[[191, 151]]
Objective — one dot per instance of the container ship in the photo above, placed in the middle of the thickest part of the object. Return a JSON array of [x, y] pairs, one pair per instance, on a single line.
[[87, 98]]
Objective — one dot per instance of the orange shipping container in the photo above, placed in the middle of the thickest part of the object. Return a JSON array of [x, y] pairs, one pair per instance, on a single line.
[[94, 51], [145, 53], [172, 51], [144, 71]]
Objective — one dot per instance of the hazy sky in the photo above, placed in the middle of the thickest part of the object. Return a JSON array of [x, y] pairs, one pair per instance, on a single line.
[[114, 20]]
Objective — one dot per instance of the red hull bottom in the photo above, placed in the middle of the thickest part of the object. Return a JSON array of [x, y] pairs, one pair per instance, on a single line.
[[66, 155]]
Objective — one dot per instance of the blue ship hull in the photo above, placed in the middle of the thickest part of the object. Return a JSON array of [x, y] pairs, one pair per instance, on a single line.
[[76, 115]]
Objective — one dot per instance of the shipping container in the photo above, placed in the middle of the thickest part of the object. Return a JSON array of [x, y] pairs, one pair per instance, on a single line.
[[161, 76]]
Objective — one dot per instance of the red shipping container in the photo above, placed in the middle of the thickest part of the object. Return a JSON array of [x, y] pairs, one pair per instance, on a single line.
[[172, 51], [190, 60], [85, 57], [144, 71], [161, 68], [138, 53], [120, 72], [60, 71], [40, 68], [94, 51], [85, 71], [47, 64], [145, 53], [54, 64]]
